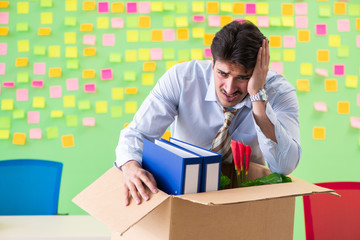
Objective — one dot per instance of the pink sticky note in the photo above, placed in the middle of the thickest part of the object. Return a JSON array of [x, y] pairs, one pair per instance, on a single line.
[[35, 133], [321, 29], [90, 87], [320, 106], [22, 94], [277, 66], [144, 7], [263, 21], [72, 84], [301, 21], [108, 39], [301, 8], [339, 69], [106, 74], [214, 21], [39, 68], [131, 7], [2, 69], [207, 53], [240, 20], [9, 84], [103, 7], [355, 122], [37, 83], [169, 34], [55, 92], [358, 41], [88, 121], [89, 39], [33, 117], [343, 25], [250, 8], [4, 18], [358, 99], [289, 41], [198, 18], [155, 53], [3, 48], [322, 72], [117, 23]]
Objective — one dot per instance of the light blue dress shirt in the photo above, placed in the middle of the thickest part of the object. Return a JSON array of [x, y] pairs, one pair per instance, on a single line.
[[185, 98]]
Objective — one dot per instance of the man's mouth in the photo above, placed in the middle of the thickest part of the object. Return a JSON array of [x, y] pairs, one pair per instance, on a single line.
[[230, 97]]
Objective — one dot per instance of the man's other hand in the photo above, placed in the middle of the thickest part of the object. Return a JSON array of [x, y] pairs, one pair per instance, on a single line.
[[135, 177]]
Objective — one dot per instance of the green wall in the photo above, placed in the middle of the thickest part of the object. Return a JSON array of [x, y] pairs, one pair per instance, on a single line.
[[333, 158]]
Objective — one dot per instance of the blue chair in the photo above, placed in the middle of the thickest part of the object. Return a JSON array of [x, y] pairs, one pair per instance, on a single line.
[[29, 187]]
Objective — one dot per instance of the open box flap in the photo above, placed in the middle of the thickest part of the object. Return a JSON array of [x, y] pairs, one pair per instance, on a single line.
[[104, 199]]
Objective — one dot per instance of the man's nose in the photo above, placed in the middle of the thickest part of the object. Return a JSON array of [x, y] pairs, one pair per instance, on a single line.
[[229, 86]]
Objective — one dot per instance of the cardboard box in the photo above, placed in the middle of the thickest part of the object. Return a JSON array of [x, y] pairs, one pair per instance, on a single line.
[[259, 212]]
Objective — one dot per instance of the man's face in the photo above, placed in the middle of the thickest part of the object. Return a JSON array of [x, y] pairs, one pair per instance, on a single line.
[[231, 81]]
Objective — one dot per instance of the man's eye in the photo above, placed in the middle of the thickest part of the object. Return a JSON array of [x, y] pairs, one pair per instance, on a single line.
[[223, 74]]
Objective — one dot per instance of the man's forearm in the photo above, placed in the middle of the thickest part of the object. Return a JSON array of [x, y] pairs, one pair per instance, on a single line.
[[262, 120]]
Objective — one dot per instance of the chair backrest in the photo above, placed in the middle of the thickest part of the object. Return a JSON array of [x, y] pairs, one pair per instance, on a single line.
[[332, 217], [29, 187]]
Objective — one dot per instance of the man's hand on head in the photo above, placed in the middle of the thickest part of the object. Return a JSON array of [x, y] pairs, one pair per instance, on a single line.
[[136, 179]]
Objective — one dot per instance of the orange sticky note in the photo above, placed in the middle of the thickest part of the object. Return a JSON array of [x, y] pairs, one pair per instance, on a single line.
[[19, 138], [86, 27], [21, 62], [149, 66], [55, 72], [89, 51], [44, 31], [4, 4], [156, 35], [144, 22], [323, 55], [339, 8], [303, 35], [67, 141], [182, 34], [343, 107], [303, 85], [239, 8], [166, 135], [117, 7], [89, 5], [287, 9], [331, 85], [88, 73], [275, 41], [357, 24], [319, 133], [212, 7], [225, 20], [208, 37], [131, 90], [4, 31]]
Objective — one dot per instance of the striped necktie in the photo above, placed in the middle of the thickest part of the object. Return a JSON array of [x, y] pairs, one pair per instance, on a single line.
[[222, 140]]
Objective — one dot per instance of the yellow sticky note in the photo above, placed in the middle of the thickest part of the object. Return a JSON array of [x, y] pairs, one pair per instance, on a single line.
[[157, 6], [67, 141], [319, 133], [132, 36], [147, 79], [54, 51], [334, 41], [149, 66], [339, 8], [156, 35], [331, 85], [86, 27], [323, 55], [22, 7], [198, 7], [343, 107], [306, 69], [226, 7], [4, 134], [56, 114], [70, 38], [166, 135], [70, 5], [23, 46], [130, 107], [182, 34], [69, 101], [262, 8], [101, 107], [4, 31], [252, 19], [4, 4], [287, 9], [117, 7], [102, 22], [89, 52], [46, 18], [170, 64], [224, 20], [71, 52], [208, 37], [38, 102], [55, 72], [117, 93], [21, 62], [303, 85], [198, 32], [44, 31], [303, 35], [275, 41], [287, 21], [88, 5], [130, 56], [289, 55], [181, 22], [7, 104], [131, 90], [212, 7], [351, 81], [19, 138], [197, 54], [144, 22], [88, 73], [144, 54]]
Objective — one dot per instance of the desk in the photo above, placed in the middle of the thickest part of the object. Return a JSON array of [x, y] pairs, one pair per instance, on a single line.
[[58, 227]]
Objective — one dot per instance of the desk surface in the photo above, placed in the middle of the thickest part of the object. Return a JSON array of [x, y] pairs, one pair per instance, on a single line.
[[59, 227]]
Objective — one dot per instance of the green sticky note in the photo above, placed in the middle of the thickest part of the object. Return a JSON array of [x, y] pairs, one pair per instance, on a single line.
[[168, 53], [169, 6], [144, 54], [84, 105], [70, 21], [169, 21], [18, 114], [181, 7], [5, 122], [343, 51], [184, 55], [145, 36], [72, 121], [130, 76], [52, 132], [22, 27], [116, 111], [132, 22], [46, 3], [22, 77], [275, 21], [115, 57], [354, 10], [72, 64], [275, 55], [40, 50], [324, 10]]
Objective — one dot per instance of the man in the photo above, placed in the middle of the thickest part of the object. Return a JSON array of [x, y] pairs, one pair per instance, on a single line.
[[193, 96]]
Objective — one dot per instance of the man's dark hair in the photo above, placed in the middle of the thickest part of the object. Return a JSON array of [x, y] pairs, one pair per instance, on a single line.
[[237, 42]]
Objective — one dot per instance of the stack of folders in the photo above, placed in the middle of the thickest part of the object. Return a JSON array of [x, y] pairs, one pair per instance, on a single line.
[[181, 168]]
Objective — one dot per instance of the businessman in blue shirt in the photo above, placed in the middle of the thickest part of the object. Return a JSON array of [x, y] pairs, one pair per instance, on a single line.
[[190, 98]]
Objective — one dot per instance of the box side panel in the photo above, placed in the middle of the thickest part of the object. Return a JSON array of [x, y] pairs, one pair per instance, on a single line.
[[266, 219]]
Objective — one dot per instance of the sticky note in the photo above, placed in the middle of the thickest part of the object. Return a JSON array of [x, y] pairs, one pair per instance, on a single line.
[[357, 25], [198, 18], [289, 55], [89, 122], [196, 54], [55, 91], [351, 81], [86, 27], [130, 107], [343, 51], [116, 111], [35, 133], [289, 41], [343, 25], [275, 41], [131, 7], [277, 66], [109, 40], [331, 85], [319, 133], [339, 69], [131, 90], [22, 7], [88, 73], [301, 8], [37, 83], [198, 32], [84, 105], [145, 36], [306, 69], [103, 7], [46, 18], [22, 94], [208, 37], [320, 106], [339, 8], [20, 62], [321, 29], [39, 50], [33, 117], [88, 5], [117, 93], [4, 134], [23, 46], [303, 85], [38, 102], [106, 74], [70, 5], [147, 79], [144, 54], [287, 21], [130, 55], [156, 54], [70, 37], [184, 55], [182, 34], [275, 21], [4, 4], [261, 8], [322, 72], [129, 75], [168, 34], [56, 114], [144, 7], [71, 121], [149, 66], [102, 22], [5, 122], [170, 64], [7, 104], [168, 6], [303, 35], [168, 21], [115, 57], [19, 138], [55, 72], [181, 7], [263, 21], [214, 21], [117, 23], [181, 22], [207, 53], [224, 20], [4, 31], [157, 35], [54, 51], [354, 10], [101, 107], [144, 22], [197, 6], [3, 48], [343, 107], [250, 8], [323, 55], [22, 77], [301, 21], [334, 41], [132, 22], [4, 18], [44, 31], [355, 122], [39, 68], [69, 101], [8, 84], [52, 132], [18, 114], [324, 11], [287, 9], [89, 52], [117, 7], [72, 64], [70, 21], [71, 52], [212, 7]]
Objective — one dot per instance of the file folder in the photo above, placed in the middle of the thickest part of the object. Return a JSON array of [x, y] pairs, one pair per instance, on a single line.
[[175, 170]]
